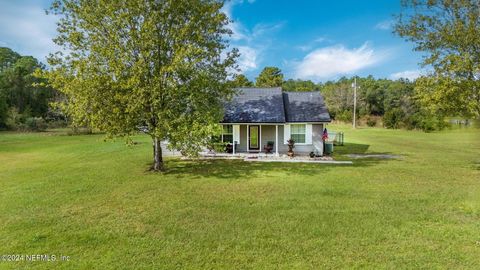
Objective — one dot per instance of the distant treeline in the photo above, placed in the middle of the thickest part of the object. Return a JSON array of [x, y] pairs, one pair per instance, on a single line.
[[392, 101], [380, 102], [24, 98]]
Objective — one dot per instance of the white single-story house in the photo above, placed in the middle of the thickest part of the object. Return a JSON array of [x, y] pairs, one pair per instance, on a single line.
[[257, 116]]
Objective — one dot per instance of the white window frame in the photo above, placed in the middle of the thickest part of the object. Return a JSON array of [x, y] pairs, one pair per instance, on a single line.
[[231, 134], [304, 134]]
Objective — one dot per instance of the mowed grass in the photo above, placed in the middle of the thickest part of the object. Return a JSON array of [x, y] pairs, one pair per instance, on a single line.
[[97, 202]]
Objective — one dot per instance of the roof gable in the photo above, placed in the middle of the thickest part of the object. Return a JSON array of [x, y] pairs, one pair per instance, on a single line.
[[305, 107], [256, 105], [271, 105]]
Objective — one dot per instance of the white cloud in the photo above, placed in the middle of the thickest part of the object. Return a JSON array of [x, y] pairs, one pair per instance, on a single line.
[[311, 45], [337, 60], [320, 39], [26, 28], [248, 58], [384, 25], [262, 29], [304, 48], [407, 74], [239, 32], [251, 42]]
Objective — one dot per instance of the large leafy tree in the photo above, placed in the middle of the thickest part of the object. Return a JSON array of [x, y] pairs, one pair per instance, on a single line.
[[241, 80], [154, 63], [269, 77], [448, 31], [339, 98], [18, 84], [7, 58], [19, 87]]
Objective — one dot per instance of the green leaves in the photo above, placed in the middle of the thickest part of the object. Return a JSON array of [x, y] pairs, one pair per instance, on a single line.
[[449, 33], [161, 64], [270, 77], [20, 90], [241, 80]]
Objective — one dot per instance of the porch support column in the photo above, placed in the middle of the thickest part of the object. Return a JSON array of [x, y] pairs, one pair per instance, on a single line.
[[276, 140], [233, 132], [248, 138], [260, 139]]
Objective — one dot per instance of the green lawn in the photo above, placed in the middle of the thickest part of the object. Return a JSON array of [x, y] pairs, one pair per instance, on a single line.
[[96, 202]]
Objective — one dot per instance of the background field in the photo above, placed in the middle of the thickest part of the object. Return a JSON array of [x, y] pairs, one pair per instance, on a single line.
[[96, 202]]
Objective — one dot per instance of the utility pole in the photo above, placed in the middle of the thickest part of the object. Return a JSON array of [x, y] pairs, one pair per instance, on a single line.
[[355, 102]]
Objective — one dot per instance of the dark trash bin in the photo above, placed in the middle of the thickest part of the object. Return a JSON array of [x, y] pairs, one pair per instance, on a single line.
[[328, 148]]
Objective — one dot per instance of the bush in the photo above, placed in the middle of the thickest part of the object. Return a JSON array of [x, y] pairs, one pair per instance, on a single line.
[[345, 116], [35, 124], [27, 113], [393, 118], [431, 123], [424, 121], [3, 112], [80, 131], [371, 122], [57, 124], [412, 121], [13, 119]]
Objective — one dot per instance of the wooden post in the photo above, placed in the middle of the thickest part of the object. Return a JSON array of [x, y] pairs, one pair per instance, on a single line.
[[355, 103]]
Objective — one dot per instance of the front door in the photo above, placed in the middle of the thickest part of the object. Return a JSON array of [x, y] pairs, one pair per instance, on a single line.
[[253, 134]]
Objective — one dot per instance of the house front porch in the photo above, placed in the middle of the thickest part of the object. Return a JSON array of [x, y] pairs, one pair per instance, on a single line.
[[271, 138]]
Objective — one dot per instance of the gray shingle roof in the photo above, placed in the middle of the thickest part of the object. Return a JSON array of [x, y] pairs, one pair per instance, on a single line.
[[256, 105], [271, 105], [305, 107]]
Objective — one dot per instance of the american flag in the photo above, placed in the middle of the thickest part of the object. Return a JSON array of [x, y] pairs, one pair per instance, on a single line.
[[325, 135]]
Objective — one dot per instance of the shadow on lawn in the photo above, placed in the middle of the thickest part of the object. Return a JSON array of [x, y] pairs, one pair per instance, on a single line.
[[351, 148], [239, 169], [230, 169], [476, 165], [360, 149]]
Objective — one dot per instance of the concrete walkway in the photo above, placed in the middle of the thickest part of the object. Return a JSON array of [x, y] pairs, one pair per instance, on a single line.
[[257, 157], [298, 160], [261, 157], [168, 153]]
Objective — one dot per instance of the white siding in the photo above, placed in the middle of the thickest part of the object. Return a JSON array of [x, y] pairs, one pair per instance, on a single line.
[[236, 133], [286, 133], [308, 134]]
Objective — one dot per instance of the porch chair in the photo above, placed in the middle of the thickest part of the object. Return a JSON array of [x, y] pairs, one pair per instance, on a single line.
[[269, 147]]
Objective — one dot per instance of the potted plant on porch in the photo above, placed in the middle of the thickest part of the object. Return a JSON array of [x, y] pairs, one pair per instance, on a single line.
[[291, 145]]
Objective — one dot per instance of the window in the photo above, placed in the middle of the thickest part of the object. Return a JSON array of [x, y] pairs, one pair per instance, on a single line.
[[227, 134], [297, 133]]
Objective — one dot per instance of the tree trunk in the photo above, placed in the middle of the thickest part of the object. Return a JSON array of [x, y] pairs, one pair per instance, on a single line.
[[157, 155]]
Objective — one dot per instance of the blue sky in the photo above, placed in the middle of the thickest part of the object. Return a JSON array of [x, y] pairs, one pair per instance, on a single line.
[[318, 40]]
